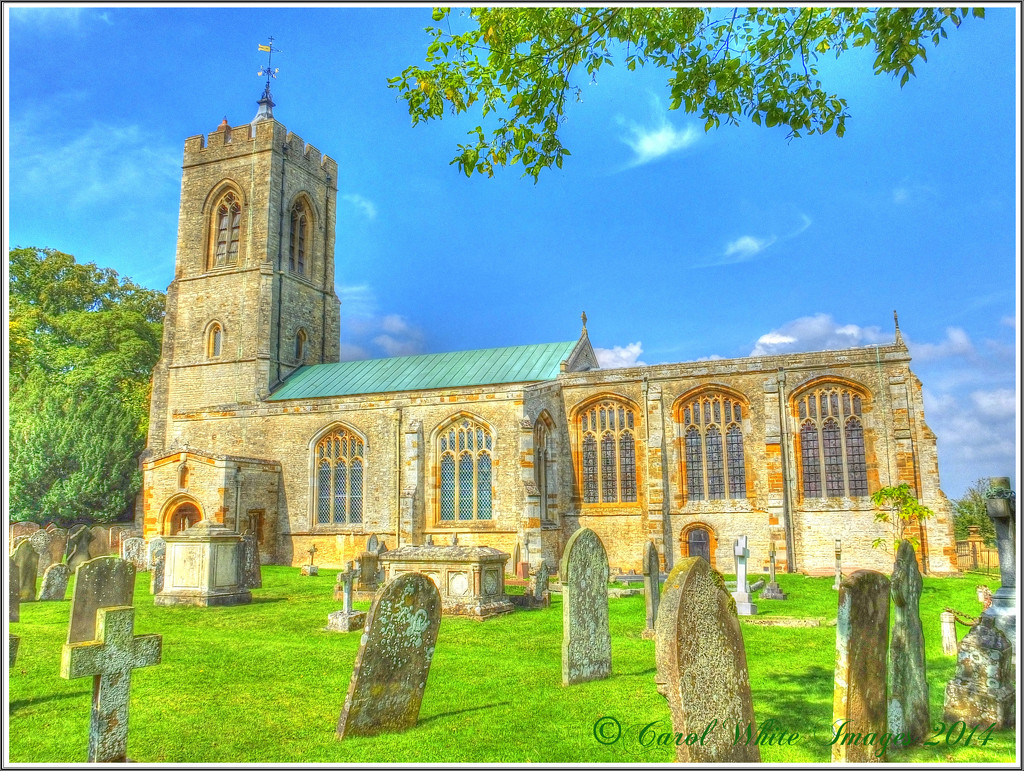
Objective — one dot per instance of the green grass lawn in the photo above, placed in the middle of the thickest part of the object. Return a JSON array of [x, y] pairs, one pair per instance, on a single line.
[[263, 683]]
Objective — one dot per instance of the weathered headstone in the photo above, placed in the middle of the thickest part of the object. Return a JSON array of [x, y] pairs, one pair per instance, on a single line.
[[908, 685], [58, 543], [310, 569], [77, 550], [13, 593], [859, 699], [157, 558], [252, 575], [744, 606], [702, 666], [109, 660], [839, 565], [99, 544], [40, 541], [104, 582], [772, 590], [26, 562], [948, 621], [55, 582], [14, 640], [373, 544], [586, 640], [983, 690], [20, 529], [539, 587], [346, 619], [1001, 507], [390, 674], [133, 550], [652, 586]]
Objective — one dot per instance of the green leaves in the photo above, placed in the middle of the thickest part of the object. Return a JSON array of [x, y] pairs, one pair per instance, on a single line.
[[722, 65], [899, 508]]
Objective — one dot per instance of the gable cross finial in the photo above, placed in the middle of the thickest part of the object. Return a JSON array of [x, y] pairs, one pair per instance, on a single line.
[[583, 316], [899, 335]]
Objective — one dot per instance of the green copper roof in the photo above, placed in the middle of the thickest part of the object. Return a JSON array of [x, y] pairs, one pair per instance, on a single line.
[[516, 364]]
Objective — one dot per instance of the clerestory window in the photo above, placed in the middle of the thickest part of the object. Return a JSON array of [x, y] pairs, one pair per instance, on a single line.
[[339, 462], [713, 448], [465, 451], [608, 453], [833, 458]]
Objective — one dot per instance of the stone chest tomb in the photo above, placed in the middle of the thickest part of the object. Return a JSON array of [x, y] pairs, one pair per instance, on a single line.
[[471, 579], [203, 567]]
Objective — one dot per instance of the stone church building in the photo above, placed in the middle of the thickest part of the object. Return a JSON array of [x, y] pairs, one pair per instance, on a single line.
[[256, 424]]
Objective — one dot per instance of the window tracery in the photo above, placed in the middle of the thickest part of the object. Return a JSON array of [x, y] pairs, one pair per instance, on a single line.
[[715, 468], [298, 237], [833, 459], [339, 460], [465, 492], [608, 444], [226, 231]]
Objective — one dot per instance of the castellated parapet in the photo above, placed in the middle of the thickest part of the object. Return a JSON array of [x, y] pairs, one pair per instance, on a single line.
[[247, 139]]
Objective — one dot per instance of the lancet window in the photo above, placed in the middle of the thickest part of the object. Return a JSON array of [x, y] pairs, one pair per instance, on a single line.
[[226, 231], [298, 238]]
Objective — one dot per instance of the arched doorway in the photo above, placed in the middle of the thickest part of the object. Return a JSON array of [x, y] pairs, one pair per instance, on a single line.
[[184, 516]]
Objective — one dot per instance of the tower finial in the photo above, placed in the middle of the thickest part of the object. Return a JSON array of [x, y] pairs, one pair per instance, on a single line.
[[266, 102], [899, 336], [583, 316]]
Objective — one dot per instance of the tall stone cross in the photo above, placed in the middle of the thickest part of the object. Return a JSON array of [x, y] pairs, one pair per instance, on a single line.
[[312, 551], [347, 578], [1001, 504], [772, 590], [741, 552], [110, 659]]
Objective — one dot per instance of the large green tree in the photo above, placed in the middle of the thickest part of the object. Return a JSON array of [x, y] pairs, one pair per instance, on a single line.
[[521, 66], [83, 344]]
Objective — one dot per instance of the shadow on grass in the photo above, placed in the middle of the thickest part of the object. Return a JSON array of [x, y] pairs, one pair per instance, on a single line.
[[16, 705], [649, 671], [800, 702], [463, 711]]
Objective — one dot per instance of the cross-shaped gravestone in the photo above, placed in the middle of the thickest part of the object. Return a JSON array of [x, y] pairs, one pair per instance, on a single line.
[[312, 551], [311, 569], [346, 578], [744, 607], [347, 619], [772, 590], [110, 659]]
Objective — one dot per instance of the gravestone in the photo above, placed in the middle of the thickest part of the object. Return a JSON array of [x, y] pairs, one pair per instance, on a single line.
[[13, 593], [908, 684], [99, 544], [744, 606], [133, 550], [862, 631], [252, 575], [702, 665], [390, 674], [373, 543], [586, 640], [346, 619], [77, 551], [58, 543], [839, 565], [109, 660], [40, 541], [26, 562], [1001, 507], [55, 582], [948, 622], [772, 590], [983, 690], [13, 654], [104, 582], [652, 587], [539, 588], [157, 557], [310, 569]]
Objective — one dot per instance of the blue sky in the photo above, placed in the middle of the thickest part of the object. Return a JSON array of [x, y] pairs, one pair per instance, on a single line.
[[679, 244]]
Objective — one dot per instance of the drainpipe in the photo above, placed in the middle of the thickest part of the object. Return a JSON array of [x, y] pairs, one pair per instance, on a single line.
[[323, 280], [398, 477], [784, 438], [280, 267]]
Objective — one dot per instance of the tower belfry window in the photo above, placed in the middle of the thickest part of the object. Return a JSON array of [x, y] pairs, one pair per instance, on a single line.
[[298, 236], [227, 231]]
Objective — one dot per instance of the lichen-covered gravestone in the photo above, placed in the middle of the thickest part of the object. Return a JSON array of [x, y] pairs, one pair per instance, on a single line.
[[858, 701], [133, 550], [586, 640], [157, 558], [908, 685], [40, 541], [77, 550], [702, 666], [26, 563], [252, 577], [393, 662], [109, 660], [983, 690], [13, 593], [104, 582], [652, 586], [55, 582]]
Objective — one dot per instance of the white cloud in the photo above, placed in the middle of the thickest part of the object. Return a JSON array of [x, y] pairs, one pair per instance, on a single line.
[[620, 356], [363, 205], [745, 247], [658, 138], [911, 192], [957, 343], [817, 333], [352, 353], [367, 333], [106, 163]]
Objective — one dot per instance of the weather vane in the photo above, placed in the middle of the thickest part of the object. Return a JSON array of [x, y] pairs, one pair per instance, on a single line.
[[267, 71]]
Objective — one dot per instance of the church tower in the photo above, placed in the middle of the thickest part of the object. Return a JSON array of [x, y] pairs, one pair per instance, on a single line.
[[253, 292]]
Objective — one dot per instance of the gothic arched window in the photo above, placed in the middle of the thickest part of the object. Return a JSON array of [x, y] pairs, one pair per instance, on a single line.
[[712, 425], [833, 459], [339, 466], [608, 447], [465, 493], [542, 456], [214, 341], [300, 345], [298, 238], [226, 231]]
